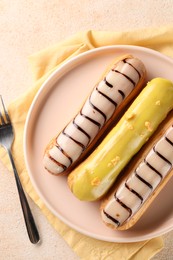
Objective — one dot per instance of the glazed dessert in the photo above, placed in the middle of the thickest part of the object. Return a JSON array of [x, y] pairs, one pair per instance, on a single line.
[[92, 179], [121, 82]]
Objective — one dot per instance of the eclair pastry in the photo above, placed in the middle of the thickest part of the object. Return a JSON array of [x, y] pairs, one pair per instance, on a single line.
[[118, 86], [92, 179], [142, 182]]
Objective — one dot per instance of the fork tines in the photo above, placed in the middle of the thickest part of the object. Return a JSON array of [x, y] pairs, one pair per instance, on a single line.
[[6, 117]]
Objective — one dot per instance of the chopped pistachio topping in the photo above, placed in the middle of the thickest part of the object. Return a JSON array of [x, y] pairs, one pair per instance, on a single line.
[[129, 126], [148, 126], [95, 181], [114, 161], [130, 116], [158, 103]]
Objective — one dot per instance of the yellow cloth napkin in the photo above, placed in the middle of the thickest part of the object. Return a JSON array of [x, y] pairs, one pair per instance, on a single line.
[[43, 64]]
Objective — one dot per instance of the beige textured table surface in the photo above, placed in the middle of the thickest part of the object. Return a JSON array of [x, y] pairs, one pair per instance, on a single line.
[[27, 26]]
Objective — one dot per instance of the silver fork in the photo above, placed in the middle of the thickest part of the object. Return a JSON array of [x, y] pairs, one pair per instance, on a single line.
[[6, 140]]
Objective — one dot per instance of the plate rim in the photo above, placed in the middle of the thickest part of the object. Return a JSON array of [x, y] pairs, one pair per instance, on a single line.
[[52, 78]]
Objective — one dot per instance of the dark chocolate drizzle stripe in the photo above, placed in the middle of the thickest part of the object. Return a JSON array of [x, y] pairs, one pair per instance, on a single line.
[[111, 218], [144, 181], [161, 156], [57, 163], [127, 77], [108, 98], [122, 93], [168, 140], [152, 168], [134, 192], [123, 205], [139, 74], [98, 110], [81, 129], [107, 83], [60, 148], [91, 120], [77, 142]]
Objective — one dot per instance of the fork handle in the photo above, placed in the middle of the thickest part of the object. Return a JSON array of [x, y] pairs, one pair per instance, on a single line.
[[29, 220]]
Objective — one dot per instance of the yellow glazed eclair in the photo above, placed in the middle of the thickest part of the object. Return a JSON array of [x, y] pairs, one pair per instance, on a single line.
[[93, 178], [121, 82], [142, 181]]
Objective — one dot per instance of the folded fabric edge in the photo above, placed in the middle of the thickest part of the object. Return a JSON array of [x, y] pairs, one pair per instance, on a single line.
[[148, 37], [151, 248], [47, 60]]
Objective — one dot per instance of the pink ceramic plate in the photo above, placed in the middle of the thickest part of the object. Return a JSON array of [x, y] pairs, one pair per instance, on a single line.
[[56, 103]]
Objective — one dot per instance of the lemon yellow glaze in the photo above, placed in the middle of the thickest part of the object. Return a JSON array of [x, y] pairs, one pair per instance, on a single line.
[[92, 178]]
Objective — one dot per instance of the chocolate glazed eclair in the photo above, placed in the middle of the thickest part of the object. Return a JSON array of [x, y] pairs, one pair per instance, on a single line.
[[121, 82]]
